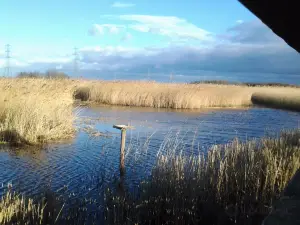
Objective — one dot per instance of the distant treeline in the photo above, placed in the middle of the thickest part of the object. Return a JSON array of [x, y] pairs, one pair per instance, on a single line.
[[50, 74], [249, 84]]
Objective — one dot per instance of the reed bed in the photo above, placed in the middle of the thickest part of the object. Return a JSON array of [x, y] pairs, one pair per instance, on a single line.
[[177, 96], [15, 209], [250, 84], [35, 111], [233, 184], [145, 93], [281, 100]]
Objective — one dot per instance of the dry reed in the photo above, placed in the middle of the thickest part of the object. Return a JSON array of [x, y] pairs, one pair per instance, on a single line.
[[233, 184], [281, 100], [146, 94], [178, 96], [39, 110], [15, 209], [35, 110]]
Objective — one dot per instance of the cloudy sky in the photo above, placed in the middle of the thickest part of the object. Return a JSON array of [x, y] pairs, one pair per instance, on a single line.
[[137, 35]]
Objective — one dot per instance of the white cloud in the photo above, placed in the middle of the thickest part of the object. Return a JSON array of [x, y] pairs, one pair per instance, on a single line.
[[111, 50], [126, 37], [96, 30], [114, 30], [253, 32], [122, 5], [224, 57], [14, 63], [99, 29], [239, 21], [20, 64], [140, 28], [50, 60], [249, 46], [2, 62], [170, 26], [59, 67]]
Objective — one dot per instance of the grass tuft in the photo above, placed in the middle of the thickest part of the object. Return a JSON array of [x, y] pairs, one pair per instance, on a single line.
[[15, 209], [82, 93]]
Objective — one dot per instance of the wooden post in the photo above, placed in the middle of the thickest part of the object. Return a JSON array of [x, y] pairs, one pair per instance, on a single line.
[[123, 129], [122, 151]]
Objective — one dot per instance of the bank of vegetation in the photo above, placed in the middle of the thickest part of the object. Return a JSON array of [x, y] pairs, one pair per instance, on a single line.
[[286, 100], [249, 84], [236, 183], [231, 184], [177, 96], [36, 110], [50, 74]]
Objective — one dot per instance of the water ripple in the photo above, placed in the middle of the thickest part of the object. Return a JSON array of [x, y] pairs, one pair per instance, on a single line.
[[75, 164]]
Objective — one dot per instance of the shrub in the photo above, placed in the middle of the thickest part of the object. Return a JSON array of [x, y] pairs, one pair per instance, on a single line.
[[30, 75]]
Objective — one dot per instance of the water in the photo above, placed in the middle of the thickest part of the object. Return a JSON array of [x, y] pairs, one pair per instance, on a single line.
[[75, 163], [190, 75]]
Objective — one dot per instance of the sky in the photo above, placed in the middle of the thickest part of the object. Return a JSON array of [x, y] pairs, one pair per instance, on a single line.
[[139, 35]]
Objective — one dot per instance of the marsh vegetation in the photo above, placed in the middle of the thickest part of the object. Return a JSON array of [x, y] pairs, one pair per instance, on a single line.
[[36, 110], [234, 183], [237, 181], [33, 111]]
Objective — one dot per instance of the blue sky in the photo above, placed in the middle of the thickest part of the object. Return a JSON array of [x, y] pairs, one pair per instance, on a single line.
[[115, 36]]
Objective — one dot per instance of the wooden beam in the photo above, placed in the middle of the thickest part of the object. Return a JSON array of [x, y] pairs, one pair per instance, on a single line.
[[123, 129]]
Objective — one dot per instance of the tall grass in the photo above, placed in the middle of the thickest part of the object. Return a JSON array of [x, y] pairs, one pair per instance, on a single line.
[[35, 111], [15, 209], [39, 110], [233, 184], [281, 100], [146, 94], [178, 96]]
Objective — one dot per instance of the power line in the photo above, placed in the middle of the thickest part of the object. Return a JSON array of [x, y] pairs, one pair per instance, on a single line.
[[7, 70], [76, 61]]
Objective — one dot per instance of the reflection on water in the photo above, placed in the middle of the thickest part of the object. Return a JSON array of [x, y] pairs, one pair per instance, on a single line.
[[74, 163]]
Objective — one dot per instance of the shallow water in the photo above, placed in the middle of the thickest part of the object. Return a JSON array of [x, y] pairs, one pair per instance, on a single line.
[[85, 159]]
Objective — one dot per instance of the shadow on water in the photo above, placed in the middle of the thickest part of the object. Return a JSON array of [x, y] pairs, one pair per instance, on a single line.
[[276, 104], [13, 138]]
